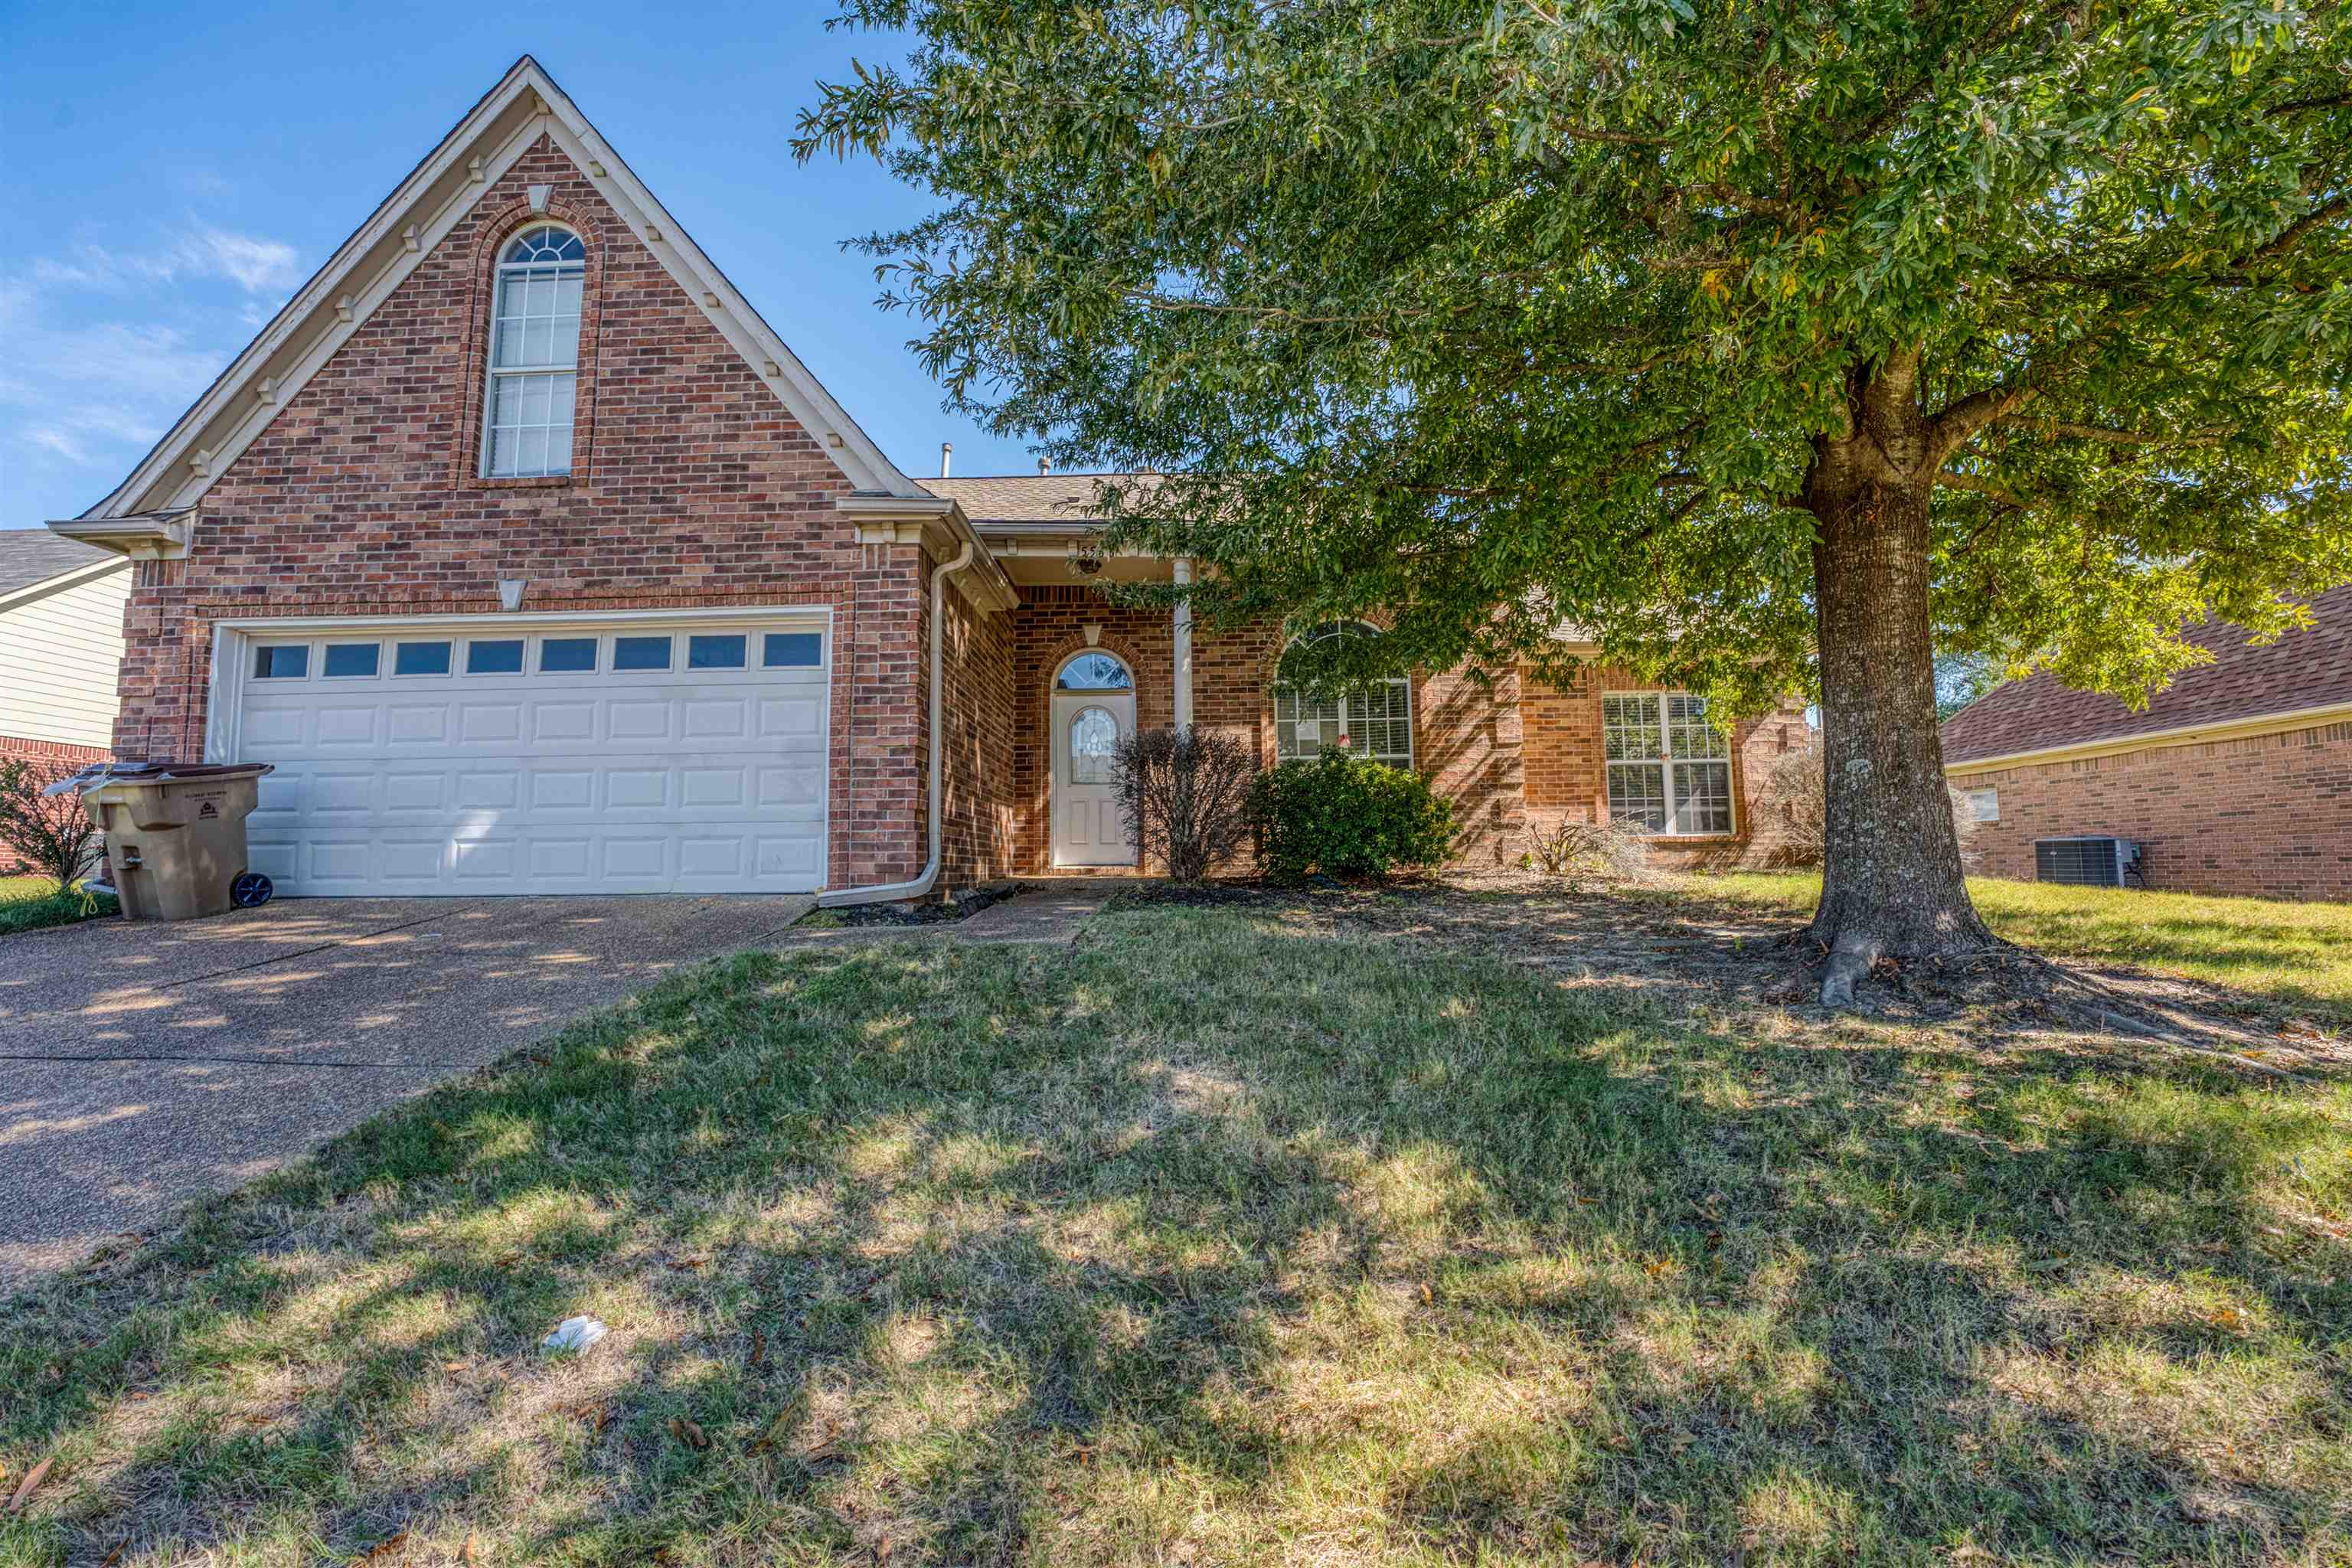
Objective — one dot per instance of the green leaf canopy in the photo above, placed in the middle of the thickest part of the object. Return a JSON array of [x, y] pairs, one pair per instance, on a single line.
[[1493, 317]]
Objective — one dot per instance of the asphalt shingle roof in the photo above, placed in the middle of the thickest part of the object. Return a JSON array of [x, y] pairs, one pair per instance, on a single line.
[[2306, 669], [30, 555], [1023, 497]]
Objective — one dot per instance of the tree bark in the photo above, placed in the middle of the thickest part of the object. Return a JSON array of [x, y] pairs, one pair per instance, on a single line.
[[1891, 883]]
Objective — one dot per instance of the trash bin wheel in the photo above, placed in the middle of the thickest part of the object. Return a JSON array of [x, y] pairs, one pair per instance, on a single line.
[[250, 891]]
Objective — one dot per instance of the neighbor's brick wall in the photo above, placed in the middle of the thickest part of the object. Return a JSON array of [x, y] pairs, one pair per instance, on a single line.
[[1567, 778], [52, 760], [692, 488], [2269, 816]]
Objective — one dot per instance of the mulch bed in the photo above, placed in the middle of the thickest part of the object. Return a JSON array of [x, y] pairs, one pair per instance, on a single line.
[[936, 912]]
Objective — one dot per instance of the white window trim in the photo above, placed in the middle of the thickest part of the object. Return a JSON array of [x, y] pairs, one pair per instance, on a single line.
[[499, 276], [1664, 763], [1410, 761], [1984, 804]]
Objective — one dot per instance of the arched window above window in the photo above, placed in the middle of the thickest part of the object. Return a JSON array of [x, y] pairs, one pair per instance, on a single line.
[[1371, 720], [1095, 671], [534, 354]]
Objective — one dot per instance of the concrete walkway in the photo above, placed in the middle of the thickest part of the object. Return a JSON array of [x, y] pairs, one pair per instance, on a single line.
[[141, 1065]]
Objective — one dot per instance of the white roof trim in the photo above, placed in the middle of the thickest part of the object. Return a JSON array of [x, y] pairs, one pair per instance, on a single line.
[[365, 269]]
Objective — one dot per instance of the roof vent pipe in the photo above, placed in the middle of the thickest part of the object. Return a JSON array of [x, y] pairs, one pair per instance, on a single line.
[[1045, 465], [947, 452]]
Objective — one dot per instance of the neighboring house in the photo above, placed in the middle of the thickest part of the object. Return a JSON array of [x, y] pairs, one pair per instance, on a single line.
[[536, 562], [2236, 778], [60, 646]]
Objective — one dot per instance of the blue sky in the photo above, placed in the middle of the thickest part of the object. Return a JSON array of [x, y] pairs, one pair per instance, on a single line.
[[170, 175]]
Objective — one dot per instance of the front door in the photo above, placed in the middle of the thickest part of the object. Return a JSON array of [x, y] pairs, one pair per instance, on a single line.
[[1087, 729]]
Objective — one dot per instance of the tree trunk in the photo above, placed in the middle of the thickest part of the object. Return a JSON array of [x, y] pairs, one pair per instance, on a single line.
[[1891, 878]]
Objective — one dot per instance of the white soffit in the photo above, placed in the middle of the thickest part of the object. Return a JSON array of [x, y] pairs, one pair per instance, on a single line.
[[418, 215]]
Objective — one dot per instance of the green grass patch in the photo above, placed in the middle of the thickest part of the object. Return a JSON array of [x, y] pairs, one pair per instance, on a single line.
[[1208, 1241], [2296, 956], [29, 904]]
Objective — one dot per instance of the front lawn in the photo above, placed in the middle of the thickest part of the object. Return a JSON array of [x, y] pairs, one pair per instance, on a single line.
[[28, 903], [1218, 1238], [2296, 955]]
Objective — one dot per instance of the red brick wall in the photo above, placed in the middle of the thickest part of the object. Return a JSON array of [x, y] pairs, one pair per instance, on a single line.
[[977, 815], [2269, 816], [1566, 777], [693, 488]]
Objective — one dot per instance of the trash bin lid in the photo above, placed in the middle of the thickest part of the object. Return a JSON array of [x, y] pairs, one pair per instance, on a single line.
[[97, 774]]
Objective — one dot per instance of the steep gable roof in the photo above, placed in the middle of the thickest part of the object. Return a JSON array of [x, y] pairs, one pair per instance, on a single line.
[[2303, 670], [365, 269]]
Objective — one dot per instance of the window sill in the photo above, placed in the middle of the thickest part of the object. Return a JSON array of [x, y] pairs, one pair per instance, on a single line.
[[520, 481], [1731, 837]]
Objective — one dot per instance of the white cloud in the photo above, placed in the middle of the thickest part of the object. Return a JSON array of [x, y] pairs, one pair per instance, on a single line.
[[106, 347], [255, 265]]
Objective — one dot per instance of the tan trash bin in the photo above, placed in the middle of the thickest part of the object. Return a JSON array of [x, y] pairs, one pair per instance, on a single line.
[[176, 836]]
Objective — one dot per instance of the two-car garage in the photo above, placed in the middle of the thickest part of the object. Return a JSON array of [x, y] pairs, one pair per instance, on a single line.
[[552, 753]]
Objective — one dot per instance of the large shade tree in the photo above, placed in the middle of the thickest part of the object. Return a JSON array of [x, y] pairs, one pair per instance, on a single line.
[[1775, 344]]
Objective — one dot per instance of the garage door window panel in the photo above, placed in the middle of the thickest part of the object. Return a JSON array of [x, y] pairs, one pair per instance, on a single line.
[[715, 651], [501, 655], [641, 653], [421, 659], [352, 660], [281, 661], [792, 651], [567, 656]]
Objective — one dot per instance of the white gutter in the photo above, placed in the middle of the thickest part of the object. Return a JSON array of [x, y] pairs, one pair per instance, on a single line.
[[887, 892]]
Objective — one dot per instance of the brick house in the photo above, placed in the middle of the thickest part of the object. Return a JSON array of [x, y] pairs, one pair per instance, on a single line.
[[2236, 778], [535, 562]]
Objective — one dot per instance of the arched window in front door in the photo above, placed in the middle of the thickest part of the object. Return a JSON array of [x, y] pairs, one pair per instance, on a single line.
[[1094, 737]]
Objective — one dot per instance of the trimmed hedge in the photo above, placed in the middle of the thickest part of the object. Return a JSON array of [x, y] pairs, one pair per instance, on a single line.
[[1347, 817]]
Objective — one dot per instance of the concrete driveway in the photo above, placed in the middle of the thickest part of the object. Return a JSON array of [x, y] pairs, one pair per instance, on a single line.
[[140, 1065]]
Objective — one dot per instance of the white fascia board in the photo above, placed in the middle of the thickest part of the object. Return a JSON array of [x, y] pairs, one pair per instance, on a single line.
[[165, 480]]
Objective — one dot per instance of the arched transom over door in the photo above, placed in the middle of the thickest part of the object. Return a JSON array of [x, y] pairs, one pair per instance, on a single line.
[[1093, 710]]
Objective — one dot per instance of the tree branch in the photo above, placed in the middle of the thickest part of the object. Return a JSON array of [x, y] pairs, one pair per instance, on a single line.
[[1950, 479]]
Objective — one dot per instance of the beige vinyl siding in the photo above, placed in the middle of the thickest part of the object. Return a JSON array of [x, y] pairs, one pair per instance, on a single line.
[[60, 654]]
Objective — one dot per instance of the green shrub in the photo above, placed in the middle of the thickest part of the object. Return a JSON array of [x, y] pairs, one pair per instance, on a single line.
[[1347, 817]]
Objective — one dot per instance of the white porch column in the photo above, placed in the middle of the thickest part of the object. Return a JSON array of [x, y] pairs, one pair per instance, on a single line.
[[1183, 648]]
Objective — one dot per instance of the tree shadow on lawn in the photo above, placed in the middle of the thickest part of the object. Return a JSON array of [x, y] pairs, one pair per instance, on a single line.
[[1202, 1234]]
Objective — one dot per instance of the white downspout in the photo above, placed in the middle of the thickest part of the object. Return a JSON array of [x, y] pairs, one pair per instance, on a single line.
[[1183, 572], [885, 893]]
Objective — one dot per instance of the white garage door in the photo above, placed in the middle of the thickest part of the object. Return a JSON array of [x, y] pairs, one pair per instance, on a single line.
[[536, 755]]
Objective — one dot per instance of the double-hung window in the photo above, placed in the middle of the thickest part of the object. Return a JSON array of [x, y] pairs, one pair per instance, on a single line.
[[1669, 768], [1373, 721], [534, 355]]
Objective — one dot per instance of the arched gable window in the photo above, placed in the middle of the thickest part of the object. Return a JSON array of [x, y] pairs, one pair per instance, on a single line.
[[1373, 721], [534, 354]]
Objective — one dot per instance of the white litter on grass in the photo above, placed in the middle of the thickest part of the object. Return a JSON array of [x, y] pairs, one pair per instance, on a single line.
[[573, 1334]]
